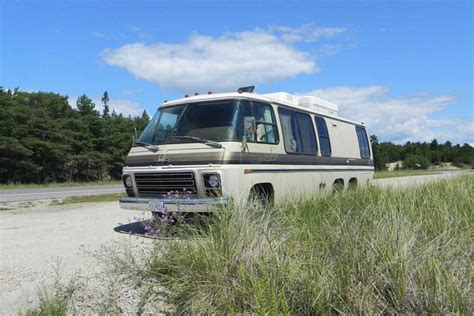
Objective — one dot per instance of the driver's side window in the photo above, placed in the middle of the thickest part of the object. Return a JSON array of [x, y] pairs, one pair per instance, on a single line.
[[266, 129]]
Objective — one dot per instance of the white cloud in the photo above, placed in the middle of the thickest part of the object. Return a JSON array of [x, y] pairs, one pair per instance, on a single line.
[[126, 107], [132, 91], [306, 32], [399, 119], [203, 63], [141, 35]]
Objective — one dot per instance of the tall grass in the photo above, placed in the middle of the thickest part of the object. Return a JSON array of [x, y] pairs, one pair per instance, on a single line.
[[372, 250]]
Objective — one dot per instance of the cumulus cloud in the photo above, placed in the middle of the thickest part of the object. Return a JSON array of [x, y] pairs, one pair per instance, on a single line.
[[221, 63], [402, 118], [306, 32], [126, 107]]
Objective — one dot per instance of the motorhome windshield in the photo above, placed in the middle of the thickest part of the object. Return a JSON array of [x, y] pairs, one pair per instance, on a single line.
[[216, 121]]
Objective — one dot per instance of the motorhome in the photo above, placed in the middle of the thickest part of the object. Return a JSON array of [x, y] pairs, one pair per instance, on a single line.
[[206, 150]]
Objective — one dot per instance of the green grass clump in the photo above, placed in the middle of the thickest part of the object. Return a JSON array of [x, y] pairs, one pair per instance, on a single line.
[[53, 299], [89, 199], [49, 307], [370, 251]]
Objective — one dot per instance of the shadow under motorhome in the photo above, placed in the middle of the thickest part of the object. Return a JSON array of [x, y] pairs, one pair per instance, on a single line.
[[207, 150]]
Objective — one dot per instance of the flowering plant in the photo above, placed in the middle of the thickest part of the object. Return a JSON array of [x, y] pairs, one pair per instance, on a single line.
[[159, 223]]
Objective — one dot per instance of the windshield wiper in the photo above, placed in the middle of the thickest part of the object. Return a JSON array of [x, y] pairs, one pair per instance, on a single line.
[[200, 140], [150, 147]]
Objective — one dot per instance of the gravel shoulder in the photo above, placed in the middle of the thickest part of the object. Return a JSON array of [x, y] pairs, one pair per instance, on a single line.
[[36, 238]]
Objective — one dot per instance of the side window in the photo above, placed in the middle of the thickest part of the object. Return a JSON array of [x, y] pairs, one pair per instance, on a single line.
[[245, 110], [289, 131], [308, 138], [323, 135], [298, 132], [266, 128], [363, 142]]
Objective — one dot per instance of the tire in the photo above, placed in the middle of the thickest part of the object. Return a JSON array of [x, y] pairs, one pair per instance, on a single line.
[[337, 188], [259, 198]]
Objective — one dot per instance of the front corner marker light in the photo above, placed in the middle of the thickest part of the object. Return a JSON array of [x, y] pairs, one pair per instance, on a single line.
[[127, 181]]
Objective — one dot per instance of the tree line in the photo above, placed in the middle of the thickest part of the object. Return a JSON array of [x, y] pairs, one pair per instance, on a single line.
[[45, 139], [421, 155]]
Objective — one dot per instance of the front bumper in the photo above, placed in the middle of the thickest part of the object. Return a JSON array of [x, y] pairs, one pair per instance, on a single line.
[[178, 205]]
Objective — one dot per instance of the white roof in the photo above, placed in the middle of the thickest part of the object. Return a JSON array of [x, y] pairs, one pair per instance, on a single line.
[[306, 103], [309, 102]]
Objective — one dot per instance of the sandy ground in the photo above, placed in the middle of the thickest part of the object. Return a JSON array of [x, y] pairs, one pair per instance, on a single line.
[[37, 238]]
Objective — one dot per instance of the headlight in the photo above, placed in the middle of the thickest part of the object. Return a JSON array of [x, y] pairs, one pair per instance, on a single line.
[[127, 181], [212, 182]]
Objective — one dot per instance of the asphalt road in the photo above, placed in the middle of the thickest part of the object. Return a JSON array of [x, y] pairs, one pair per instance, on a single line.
[[417, 180], [17, 195]]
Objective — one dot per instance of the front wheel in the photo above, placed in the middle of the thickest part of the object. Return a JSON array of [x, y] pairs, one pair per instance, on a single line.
[[260, 197]]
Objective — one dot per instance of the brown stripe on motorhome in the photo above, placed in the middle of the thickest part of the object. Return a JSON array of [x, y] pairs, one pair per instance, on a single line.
[[242, 158]]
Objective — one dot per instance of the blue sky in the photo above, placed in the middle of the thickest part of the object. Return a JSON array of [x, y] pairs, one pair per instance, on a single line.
[[404, 68]]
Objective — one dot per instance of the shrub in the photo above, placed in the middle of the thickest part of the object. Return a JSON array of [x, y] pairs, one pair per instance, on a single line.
[[416, 162]]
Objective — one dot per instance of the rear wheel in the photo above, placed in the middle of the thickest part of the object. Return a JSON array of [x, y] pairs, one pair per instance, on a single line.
[[352, 185], [338, 187]]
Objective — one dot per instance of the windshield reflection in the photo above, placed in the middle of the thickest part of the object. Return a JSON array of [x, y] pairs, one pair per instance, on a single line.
[[214, 121]]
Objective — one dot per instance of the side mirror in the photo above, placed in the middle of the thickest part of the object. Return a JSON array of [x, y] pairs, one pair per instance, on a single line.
[[250, 128]]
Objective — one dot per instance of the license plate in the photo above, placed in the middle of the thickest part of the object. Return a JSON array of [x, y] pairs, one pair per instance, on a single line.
[[156, 206]]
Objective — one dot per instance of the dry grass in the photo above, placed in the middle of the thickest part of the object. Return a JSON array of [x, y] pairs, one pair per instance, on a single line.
[[369, 251]]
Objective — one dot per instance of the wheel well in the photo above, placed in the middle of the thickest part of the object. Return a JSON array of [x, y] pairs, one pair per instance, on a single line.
[[263, 190], [338, 185], [352, 183]]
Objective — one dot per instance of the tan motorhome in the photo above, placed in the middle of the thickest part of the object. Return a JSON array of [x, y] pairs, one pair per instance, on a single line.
[[207, 150]]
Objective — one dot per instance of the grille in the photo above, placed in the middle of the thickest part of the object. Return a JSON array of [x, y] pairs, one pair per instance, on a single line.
[[162, 183]]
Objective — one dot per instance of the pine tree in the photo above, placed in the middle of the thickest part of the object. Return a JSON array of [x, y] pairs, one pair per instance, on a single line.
[[105, 102]]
